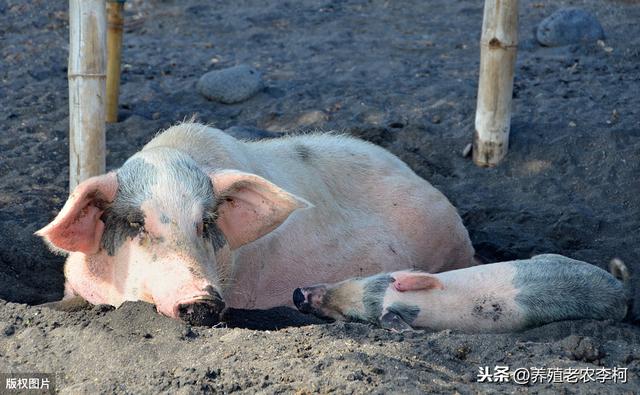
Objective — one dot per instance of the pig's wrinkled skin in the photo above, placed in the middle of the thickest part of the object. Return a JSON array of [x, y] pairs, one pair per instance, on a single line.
[[198, 219], [499, 297]]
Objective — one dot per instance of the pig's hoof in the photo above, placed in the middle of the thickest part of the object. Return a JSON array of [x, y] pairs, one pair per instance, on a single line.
[[201, 313]]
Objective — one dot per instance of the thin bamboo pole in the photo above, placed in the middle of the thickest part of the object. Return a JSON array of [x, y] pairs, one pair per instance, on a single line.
[[115, 21], [87, 59], [495, 87]]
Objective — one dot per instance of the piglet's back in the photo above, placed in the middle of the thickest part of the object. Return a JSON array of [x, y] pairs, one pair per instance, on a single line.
[[553, 287], [515, 295]]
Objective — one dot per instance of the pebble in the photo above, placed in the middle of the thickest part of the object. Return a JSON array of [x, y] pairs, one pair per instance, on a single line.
[[8, 330], [579, 348], [231, 85], [569, 26]]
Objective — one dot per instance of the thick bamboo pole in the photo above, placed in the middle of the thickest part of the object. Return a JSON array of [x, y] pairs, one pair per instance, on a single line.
[[115, 21], [495, 87], [87, 59]]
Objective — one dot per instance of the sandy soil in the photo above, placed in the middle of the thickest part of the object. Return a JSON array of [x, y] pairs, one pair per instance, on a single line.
[[399, 74]]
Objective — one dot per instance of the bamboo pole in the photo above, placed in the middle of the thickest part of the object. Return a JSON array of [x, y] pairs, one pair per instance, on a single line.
[[115, 21], [497, 62], [87, 59]]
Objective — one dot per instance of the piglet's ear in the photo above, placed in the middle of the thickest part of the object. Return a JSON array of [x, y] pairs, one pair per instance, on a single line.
[[251, 206], [78, 227], [412, 281]]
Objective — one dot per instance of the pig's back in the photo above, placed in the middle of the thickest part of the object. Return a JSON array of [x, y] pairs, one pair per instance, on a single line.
[[365, 187], [553, 287], [337, 160]]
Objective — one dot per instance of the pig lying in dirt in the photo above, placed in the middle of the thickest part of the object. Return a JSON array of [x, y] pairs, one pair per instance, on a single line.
[[498, 297], [198, 220]]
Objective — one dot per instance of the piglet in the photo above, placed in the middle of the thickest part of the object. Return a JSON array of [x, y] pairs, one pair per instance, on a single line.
[[498, 297]]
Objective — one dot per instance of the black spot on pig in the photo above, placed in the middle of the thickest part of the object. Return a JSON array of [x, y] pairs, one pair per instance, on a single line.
[[393, 322], [553, 287], [119, 225], [373, 294], [164, 218], [135, 179], [303, 152], [407, 312], [487, 309], [213, 234], [192, 178]]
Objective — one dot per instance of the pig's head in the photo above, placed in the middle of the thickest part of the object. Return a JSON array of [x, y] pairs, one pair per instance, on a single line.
[[356, 299], [162, 230]]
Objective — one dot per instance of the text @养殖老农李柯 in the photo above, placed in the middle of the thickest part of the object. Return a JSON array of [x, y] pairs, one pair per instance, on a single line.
[[540, 375]]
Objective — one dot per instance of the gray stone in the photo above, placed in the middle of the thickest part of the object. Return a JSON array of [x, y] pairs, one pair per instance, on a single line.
[[569, 26], [231, 85]]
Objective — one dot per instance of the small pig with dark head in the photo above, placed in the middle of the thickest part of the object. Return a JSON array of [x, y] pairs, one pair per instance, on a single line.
[[498, 297], [198, 220]]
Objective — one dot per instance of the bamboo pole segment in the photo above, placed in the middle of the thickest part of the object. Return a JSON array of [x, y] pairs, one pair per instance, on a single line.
[[497, 62], [115, 22], [87, 59]]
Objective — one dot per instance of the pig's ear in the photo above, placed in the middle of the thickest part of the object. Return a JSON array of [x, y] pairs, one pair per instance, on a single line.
[[250, 206], [412, 281], [78, 227]]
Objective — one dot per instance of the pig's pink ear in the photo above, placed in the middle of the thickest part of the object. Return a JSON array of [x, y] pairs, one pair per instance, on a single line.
[[251, 206], [410, 281], [78, 227]]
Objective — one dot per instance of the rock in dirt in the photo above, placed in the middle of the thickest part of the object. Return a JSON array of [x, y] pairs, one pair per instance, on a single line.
[[7, 329], [569, 26], [581, 348], [231, 85]]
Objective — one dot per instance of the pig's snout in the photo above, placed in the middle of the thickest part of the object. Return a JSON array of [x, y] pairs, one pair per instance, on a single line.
[[300, 300], [201, 310], [309, 300]]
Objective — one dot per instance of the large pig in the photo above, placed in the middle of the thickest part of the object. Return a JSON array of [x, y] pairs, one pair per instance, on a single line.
[[198, 220], [498, 297]]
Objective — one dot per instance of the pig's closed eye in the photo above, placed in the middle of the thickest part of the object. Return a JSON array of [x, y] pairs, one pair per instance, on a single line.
[[137, 225], [136, 222], [209, 231], [206, 227]]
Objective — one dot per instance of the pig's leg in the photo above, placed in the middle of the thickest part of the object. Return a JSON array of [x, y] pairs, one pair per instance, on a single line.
[[415, 282], [75, 303], [394, 323]]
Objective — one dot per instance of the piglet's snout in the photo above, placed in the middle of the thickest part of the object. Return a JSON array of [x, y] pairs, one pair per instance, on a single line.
[[300, 300], [204, 309], [307, 300]]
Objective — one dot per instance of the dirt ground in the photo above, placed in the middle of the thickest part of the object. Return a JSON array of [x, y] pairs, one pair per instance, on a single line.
[[400, 74]]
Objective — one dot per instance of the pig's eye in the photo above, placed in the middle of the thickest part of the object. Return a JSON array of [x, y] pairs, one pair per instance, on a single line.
[[136, 222], [202, 228], [137, 226], [208, 224]]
